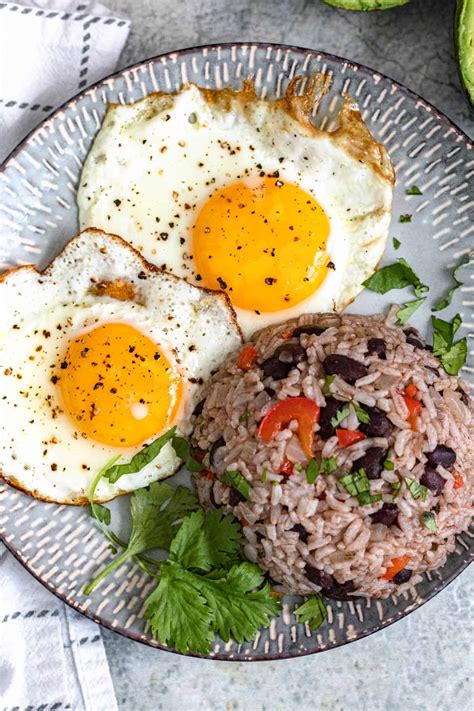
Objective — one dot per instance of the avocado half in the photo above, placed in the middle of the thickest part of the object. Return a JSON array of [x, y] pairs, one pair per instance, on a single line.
[[364, 5], [464, 41]]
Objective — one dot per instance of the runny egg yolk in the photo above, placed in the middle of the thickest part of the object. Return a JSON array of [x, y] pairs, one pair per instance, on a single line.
[[118, 386], [264, 243]]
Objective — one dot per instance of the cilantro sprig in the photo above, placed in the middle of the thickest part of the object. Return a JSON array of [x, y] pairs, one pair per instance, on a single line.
[[313, 611], [141, 459], [452, 354], [395, 276]]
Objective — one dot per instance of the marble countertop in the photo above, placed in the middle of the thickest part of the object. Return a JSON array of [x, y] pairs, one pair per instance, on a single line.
[[423, 660]]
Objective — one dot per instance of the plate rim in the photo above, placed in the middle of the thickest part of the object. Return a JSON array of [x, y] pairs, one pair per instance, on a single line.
[[429, 107]]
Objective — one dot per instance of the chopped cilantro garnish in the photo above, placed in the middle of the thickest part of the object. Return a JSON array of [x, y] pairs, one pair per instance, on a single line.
[[183, 451], [414, 190], [141, 459], [429, 521], [340, 416], [404, 218], [452, 355], [396, 488], [313, 611], [328, 465], [357, 484], [264, 475], [328, 381], [388, 464], [101, 513], [298, 467], [395, 276], [312, 471], [446, 300], [408, 309], [244, 416], [418, 491], [238, 482], [361, 414], [396, 243]]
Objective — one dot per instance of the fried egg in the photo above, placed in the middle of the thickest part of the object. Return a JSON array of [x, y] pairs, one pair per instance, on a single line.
[[245, 195], [99, 355]]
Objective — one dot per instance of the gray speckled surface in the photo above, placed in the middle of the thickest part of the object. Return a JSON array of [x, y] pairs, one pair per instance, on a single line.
[[424, 660]]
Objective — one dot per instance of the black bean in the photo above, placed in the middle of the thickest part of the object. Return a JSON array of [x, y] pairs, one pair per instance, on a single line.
[[326, 430], [433, 370], [377, 346], [217, 444], [235, 497], [341, 591], [414, 339], [387, 515], [293, 353], [432, 480], [402, 577], [319, 577], [270, 391], [371, 462], [378, 426], [464, 397], [301, 531], [442, 455], [309, 330], [212, 498], [199, 407], [347, 368], [275, 368]]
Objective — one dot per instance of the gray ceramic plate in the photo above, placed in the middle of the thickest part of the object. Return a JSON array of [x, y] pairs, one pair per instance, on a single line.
[[59, 545]]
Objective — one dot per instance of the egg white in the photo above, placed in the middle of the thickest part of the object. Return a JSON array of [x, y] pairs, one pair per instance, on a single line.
[[153, 164], [41, 450]]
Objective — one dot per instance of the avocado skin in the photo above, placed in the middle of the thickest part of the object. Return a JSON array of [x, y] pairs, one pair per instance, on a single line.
[[365, 5], [464, 43]]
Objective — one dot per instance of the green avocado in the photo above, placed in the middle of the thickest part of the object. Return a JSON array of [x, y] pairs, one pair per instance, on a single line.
[[363, 5], [464, 40]]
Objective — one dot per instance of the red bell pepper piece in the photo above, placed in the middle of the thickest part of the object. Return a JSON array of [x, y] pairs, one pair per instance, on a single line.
[[287, 468], [247, 357], [413, 406], [458, 480], [396, 565], [301, 409], [348, 437]]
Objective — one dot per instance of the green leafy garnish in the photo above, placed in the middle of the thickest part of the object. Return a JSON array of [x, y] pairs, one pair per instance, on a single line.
[[396, 243], [395, 276], [202, 591], [264, 475], [404, 218], [313, 611], [340, 416], [98, 511], [418, 491], [357, 484], [429, 521], [157, 512], [244, 416], [328, 465], [141, 459], [328, 381], [408, 309], [446, 300], [361, 414], [298, 467], [235, 479], [396, 488], [452, 355], [312, 471], [101, 513], [183, 451], [414, 190], [388, 464]]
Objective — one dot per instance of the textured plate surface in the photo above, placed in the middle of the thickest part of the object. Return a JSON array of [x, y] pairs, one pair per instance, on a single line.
[[58, 544]]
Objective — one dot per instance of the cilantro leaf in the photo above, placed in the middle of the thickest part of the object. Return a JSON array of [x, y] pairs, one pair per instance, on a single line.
[[446, 300], [452, 355], [414, 190], [396, 243], [312, 471], [328, 381], [429, 521], [453, 360], [395, 276], [235, 479], [418, 491], [388, 464], [239, 605], [396, 488], [156, 515], [328, 465], [340, 416], [404, 218], [183, 451], [357, 484], [206, 541], [408, 309], [101, 513], [141, 459], [362, 415], [365, 498], [178, 613], [313, 611]]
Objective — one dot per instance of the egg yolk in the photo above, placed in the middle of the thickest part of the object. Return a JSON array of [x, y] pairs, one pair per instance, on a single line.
[[264, 243], [118, 386]]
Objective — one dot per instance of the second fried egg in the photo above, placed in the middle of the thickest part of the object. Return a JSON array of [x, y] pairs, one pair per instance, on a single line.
[[244, 195]]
